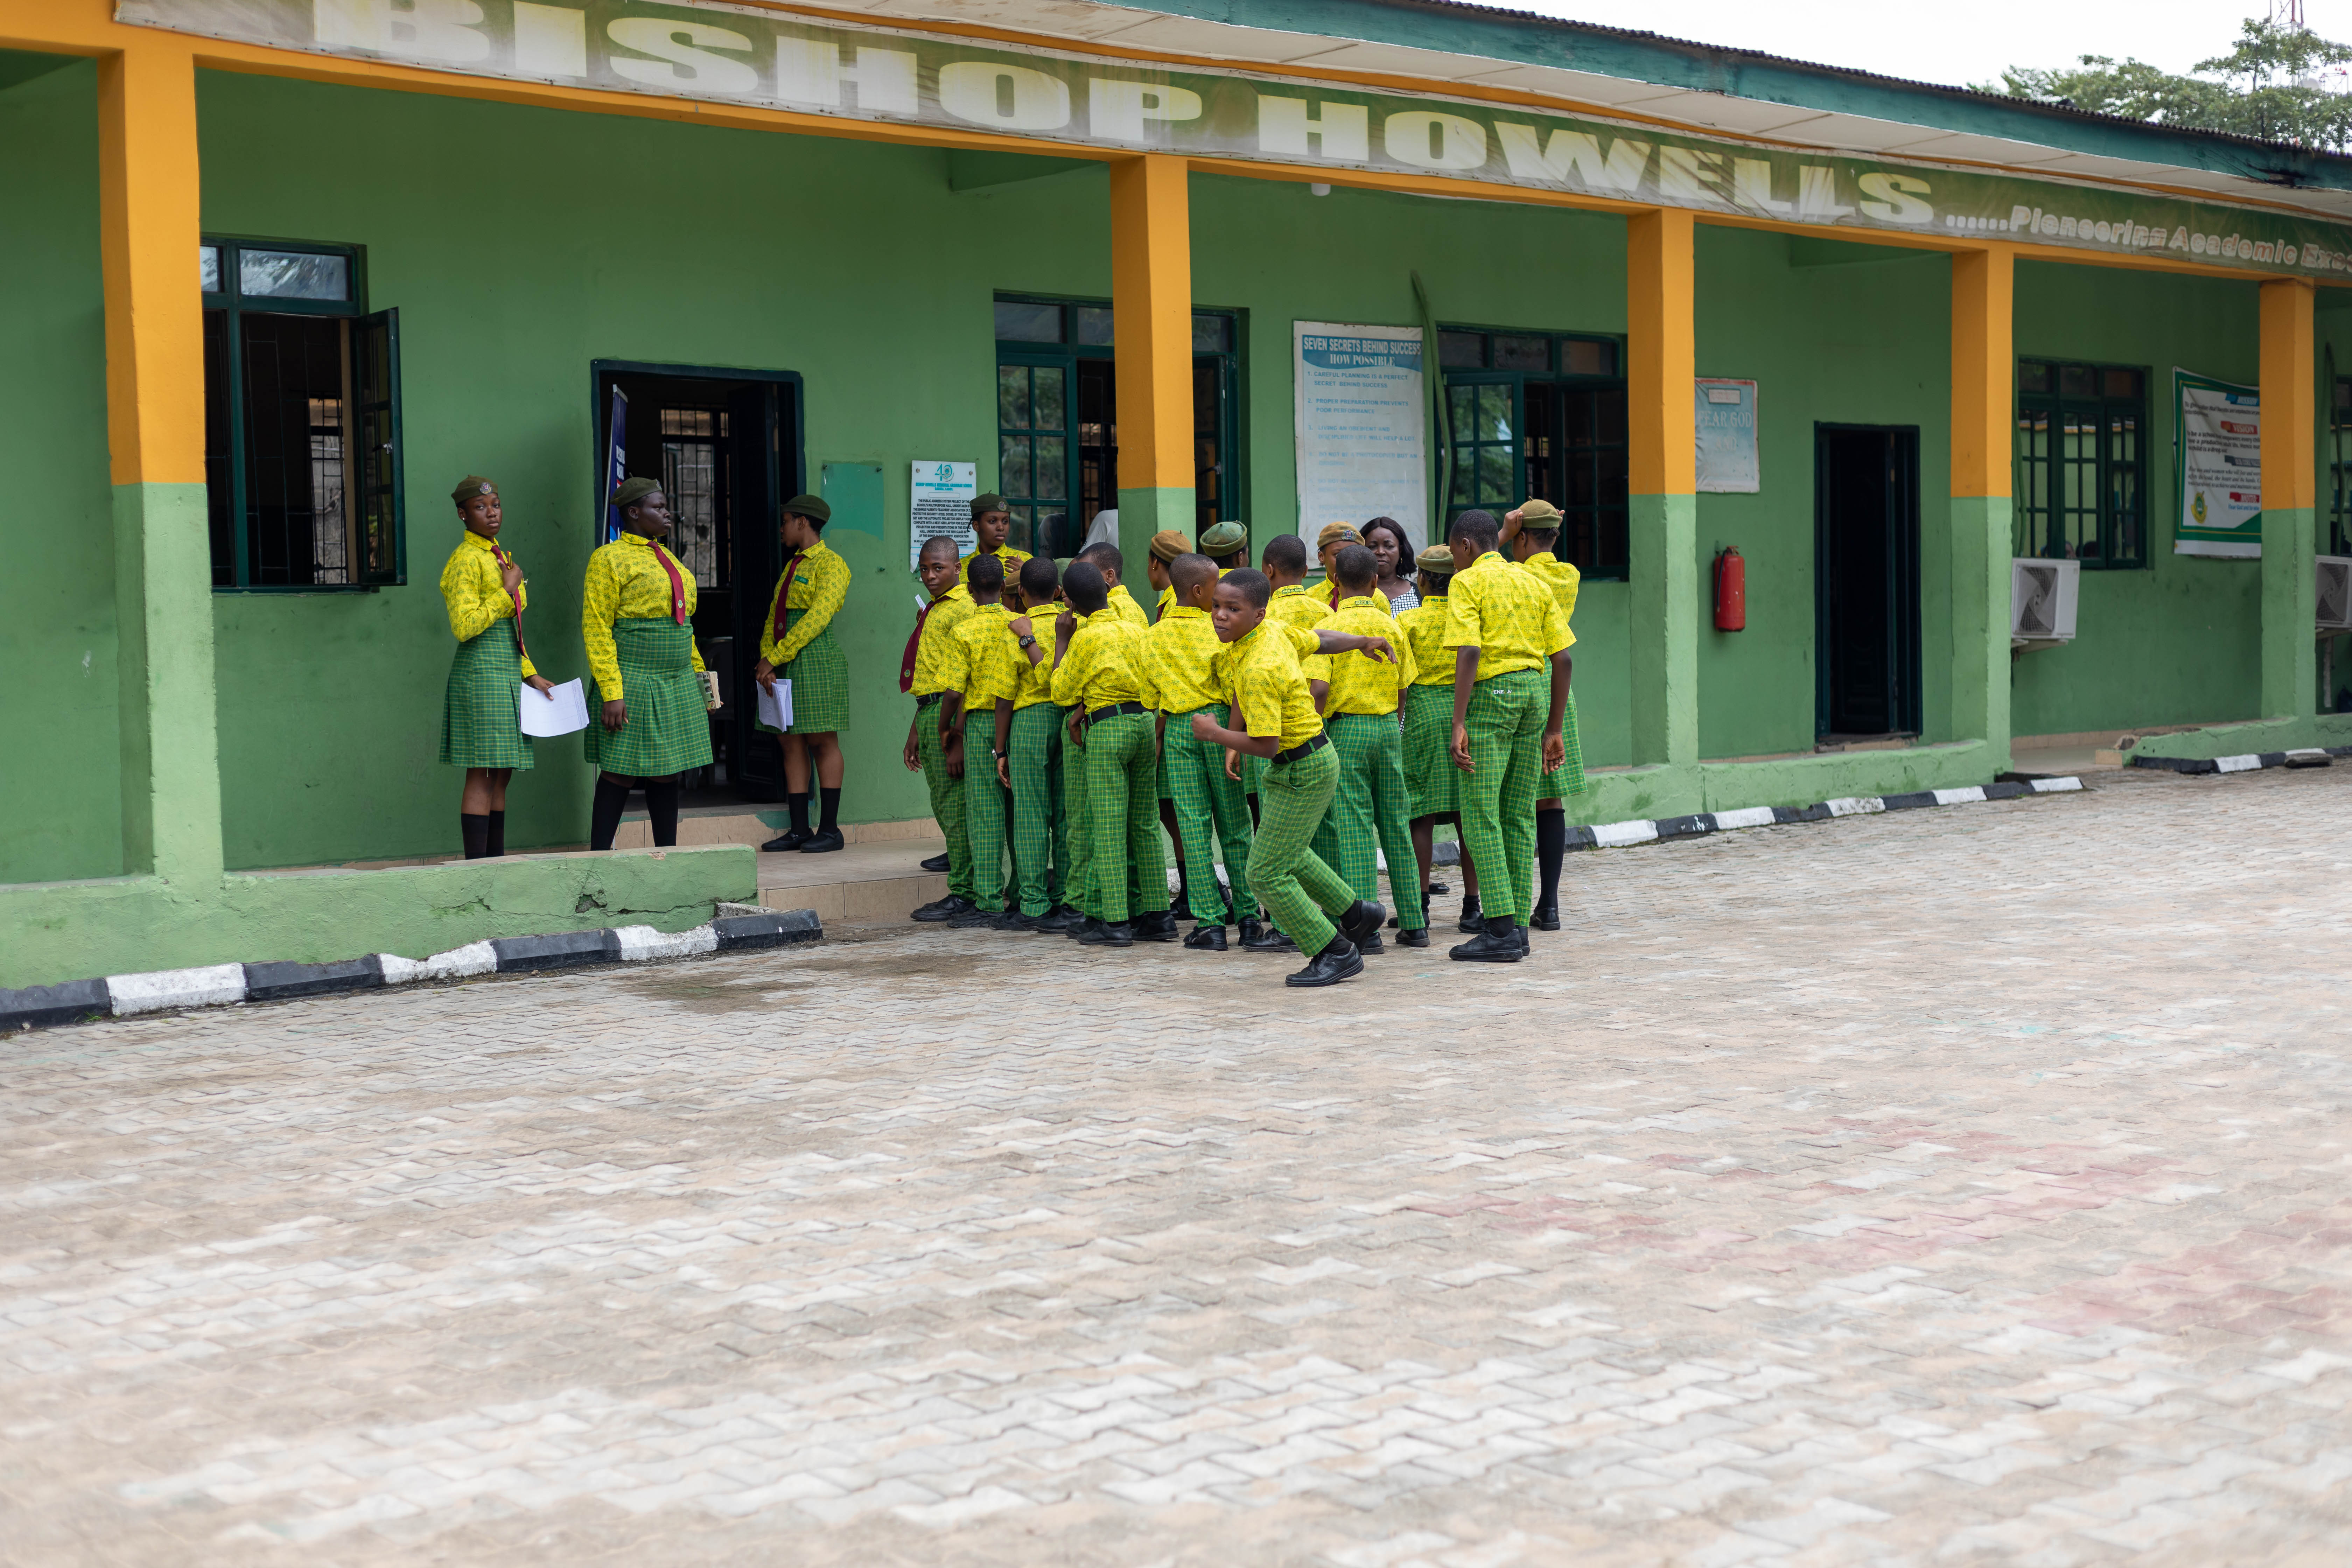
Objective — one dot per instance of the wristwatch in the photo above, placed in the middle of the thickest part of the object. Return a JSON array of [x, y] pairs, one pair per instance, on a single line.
[[1028, 642]]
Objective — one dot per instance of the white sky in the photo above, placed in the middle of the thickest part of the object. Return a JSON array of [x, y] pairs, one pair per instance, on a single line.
[[1954, 43]]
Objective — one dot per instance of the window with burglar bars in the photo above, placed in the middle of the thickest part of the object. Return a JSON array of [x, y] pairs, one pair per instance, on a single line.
[[2081, 488], [2339, 469], [1540, 414], [301, 419], [695, 479]]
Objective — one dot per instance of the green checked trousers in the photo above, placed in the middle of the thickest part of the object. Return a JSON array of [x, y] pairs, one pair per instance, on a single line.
[[1373, 810], [1289, 879], [1131, 874], [947, 799], [1078, 801], [1038, 817], [1498, 799], [984, 821], [1193, 771]]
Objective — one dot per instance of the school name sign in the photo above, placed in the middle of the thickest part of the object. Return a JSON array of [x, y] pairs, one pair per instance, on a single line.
[[721, 52]]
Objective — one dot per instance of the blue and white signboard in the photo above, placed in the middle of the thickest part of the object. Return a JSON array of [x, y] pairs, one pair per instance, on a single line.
[[1727, 463], [1362, 418]]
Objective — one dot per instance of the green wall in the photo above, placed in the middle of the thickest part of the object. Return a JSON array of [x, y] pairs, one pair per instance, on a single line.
[[61, 769]]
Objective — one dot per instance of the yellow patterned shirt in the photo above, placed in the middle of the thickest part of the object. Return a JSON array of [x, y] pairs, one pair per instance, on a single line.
[[1269, 690], [1011, 557], [820, 586], [1099, 667], [1562, 578], [1167, 601], [1360, 683], [977, 659], [477, 599], [1180, 660], [1509, 616], [1035, 681], [627, 583], [1301, 606], [1128, 610], [1425, 632], [948, 611]]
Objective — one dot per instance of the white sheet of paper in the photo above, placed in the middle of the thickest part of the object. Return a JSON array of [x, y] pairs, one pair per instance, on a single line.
[[776, 705], [563, 712]]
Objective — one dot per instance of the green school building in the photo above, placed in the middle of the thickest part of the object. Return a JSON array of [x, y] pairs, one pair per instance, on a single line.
[[2022, 422]]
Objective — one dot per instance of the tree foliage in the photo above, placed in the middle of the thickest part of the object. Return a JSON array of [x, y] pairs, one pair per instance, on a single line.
[[2272, 86]]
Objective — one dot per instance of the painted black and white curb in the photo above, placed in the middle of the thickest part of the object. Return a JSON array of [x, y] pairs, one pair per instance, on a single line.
[[121, 996], [2303, 757], [1624, 835]]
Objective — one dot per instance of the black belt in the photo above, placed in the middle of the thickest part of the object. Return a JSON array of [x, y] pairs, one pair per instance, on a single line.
[[1305, 748], [929, 699], [1116, 709]]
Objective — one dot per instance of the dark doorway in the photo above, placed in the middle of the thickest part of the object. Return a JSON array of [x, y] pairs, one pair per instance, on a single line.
[[725, 446], [1866, 567]]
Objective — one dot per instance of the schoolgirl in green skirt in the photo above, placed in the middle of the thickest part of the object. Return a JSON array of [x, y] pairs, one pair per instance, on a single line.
[[799, 646], [481, 727], [648, 721]]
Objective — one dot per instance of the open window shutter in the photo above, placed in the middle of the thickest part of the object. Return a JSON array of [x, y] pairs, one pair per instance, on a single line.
[[383, 542]]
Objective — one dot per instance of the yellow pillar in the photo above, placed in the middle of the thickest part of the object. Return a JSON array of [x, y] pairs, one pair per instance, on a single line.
[[1152, 301], [1662, 430], [2290, 499], [1984, 425], [150, 226]]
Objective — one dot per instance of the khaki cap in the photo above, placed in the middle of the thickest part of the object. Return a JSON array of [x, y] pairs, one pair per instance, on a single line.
[[632, 491], [814, 508], [1166, 544], [1538, 514], [981, 505], [1337, 534], [469, 487], [1436, 560]]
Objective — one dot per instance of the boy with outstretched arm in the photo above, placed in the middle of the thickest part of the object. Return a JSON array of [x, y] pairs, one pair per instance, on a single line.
[[1429, 769], [1032, 768], [977, 665], [1094, 661], [1527, 537], [1179, 680], [1505, 628], [1371, 810], [1276, 719]]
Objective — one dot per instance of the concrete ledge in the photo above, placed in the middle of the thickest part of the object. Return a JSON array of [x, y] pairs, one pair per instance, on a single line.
[[1665, 793], [156, 990], [1625, 834], [562, 950], [68, 1004], [2247, 761], [283, 982], [2260, 737], [769, 928]]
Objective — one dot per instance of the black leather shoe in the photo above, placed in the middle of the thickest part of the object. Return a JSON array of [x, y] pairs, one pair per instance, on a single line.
[[1156, 925], [786, 842], [1373, 943], [1498, 943], [1436, 889], [1361, 919], [936, 863], [1417, 937], [945, 908], [1207, 939], [1338, 961], [1265, 939], [1079, 927], [1472, 920], [1181, 908], [1546, 918], [1052, 921], [1098, 934], [974, 919], [1523, 941], [823, 843]]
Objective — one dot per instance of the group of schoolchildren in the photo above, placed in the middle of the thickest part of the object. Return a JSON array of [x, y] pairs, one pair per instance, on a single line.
[[1294, 732]]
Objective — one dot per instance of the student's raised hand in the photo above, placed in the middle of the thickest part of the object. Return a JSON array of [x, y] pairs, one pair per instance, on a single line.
[[616, 715], [1554, 751], [1460, 748], [1066, 624], [541, 685]]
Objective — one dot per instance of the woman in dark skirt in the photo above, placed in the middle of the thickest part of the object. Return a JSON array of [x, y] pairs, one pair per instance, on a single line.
[[480, 730], [637, 618]]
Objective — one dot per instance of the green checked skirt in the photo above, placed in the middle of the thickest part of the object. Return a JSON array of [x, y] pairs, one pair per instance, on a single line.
[[668, 730], [1430, 775], [820, 678], [1569, 777], [481, 727]]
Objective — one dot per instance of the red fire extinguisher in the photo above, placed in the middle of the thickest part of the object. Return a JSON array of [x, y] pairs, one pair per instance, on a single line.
[[1730, 590]]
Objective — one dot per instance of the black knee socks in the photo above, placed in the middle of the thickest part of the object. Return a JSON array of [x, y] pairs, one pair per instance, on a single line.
[[830, 821], [477, 830], [1551, 848], [604, 820], [496, 845], [798, 806], [661, 806]]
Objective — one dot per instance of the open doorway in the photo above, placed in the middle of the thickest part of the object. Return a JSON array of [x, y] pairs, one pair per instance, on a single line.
[[725, 446], [1866, 578]]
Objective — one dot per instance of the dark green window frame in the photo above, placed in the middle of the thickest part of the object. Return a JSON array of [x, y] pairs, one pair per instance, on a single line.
[[312, 504], [2339, 468], [2080, 486], [1532, 413], [1057, 440]]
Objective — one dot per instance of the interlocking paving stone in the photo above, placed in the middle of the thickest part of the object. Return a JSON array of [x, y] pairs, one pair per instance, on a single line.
[[1933, 1187]]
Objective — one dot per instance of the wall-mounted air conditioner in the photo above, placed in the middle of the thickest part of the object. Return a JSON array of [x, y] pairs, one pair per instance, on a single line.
[[2041, 599], [2335, 593]]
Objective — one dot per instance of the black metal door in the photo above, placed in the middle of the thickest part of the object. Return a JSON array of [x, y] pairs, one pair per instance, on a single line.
[[1866, 560], [755, 469]]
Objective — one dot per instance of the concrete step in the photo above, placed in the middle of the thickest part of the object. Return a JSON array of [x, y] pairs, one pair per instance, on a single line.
[[877, 881], [755, 825]]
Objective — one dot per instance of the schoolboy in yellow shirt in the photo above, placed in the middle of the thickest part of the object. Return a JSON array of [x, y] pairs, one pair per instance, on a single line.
[[1371, 812]]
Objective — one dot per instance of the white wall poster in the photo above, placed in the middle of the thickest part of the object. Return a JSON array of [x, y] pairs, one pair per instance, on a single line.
[[941, 502], [1362, 412], [2219, 464], [1727, 463]]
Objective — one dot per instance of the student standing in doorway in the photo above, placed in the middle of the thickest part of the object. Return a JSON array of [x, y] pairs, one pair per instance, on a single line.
[[481, 727], [636, 615], [798, 647]]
